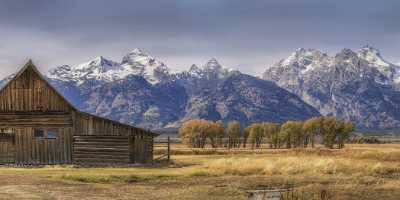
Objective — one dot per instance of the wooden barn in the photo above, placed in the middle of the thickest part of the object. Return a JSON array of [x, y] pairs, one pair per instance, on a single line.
[[39, 126]]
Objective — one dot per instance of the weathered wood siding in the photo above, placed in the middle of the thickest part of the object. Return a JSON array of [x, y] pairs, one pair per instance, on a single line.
[[35, 120], [7, 148], [139, 144], [141, 148], [31, 150], [101, 149], [29, 92], [86, 124]]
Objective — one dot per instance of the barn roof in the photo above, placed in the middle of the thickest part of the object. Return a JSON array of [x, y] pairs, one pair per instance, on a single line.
[[30, 65]]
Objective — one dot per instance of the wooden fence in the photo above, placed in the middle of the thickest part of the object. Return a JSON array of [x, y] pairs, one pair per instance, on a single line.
[[165, 145]]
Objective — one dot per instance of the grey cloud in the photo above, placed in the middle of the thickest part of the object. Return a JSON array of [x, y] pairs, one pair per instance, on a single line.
[[250, 35]]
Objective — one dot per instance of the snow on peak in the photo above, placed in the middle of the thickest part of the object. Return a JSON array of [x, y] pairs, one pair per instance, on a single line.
[[136, 62], [138, 51], [194, 69], [373, 56], [137, 56], [140, 63], [304, 60], [99, 63], [212, 65], [210, 70]]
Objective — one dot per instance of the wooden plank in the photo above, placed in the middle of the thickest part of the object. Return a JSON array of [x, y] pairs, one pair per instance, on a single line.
[[18, 94]]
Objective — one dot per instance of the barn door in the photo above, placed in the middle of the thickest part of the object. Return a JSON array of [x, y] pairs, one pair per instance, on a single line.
[[7, 146]]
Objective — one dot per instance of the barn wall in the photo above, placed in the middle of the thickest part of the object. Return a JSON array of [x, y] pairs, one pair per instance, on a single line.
[[35, 120], [138, 141], [30, 93], [91, 125], [31, 150], [141, 149], [101, 149], [7, 148]]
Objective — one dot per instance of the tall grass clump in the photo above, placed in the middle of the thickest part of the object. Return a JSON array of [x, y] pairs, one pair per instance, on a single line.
[[309, 165]]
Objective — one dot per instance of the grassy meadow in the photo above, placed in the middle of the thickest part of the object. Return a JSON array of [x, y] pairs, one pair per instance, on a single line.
[[355, 172]]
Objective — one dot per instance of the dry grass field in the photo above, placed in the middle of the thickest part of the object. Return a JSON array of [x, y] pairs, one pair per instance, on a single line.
[[356, 172]]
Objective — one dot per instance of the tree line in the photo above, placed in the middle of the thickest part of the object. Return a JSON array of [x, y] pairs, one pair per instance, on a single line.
[[330, 131]]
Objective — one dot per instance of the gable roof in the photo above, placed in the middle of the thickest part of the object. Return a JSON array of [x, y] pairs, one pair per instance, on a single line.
[[30, 65]]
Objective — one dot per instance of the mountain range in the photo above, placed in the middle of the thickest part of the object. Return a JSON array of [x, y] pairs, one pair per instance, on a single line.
[[143, 91], [356, 85]]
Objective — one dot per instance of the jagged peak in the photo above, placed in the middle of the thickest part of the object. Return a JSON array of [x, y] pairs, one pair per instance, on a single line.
[[306, 50], [346, 52], [98, 62], [194, 67], [212, 64], [62, 67], [373, 56], [137, 51], [140, 57], [369, 51], [301, 54], [369, 48]]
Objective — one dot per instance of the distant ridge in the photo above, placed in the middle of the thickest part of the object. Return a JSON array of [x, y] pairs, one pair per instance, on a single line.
[[143, 91], [356, 85], [360, 86]]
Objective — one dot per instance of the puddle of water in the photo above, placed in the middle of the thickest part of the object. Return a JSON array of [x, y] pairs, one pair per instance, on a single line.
[[266, 194]]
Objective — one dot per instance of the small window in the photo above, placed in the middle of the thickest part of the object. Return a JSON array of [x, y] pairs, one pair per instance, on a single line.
[[39, 133], [52, 133]]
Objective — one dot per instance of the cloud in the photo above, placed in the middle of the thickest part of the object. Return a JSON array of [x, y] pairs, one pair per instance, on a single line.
[[247, 36]]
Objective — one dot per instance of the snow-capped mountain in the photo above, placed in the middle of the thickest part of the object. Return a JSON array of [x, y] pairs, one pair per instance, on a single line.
[[142, 91], [137, 62], [359, 86], [374, 58], [211, 70]]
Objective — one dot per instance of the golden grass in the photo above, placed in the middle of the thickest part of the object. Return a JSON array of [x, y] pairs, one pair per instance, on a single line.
[[356, 172], [305, 165]]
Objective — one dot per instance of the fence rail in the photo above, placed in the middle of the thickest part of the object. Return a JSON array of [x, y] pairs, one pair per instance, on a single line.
[[164, 143]]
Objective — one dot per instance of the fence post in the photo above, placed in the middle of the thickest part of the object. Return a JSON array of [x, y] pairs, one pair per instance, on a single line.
[[169, 149]]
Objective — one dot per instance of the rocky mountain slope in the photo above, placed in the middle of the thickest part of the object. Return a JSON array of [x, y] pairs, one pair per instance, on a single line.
[[356, 85], [143, 91]]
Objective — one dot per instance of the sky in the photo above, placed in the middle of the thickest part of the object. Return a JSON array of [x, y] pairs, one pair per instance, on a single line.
[[245, 35]]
